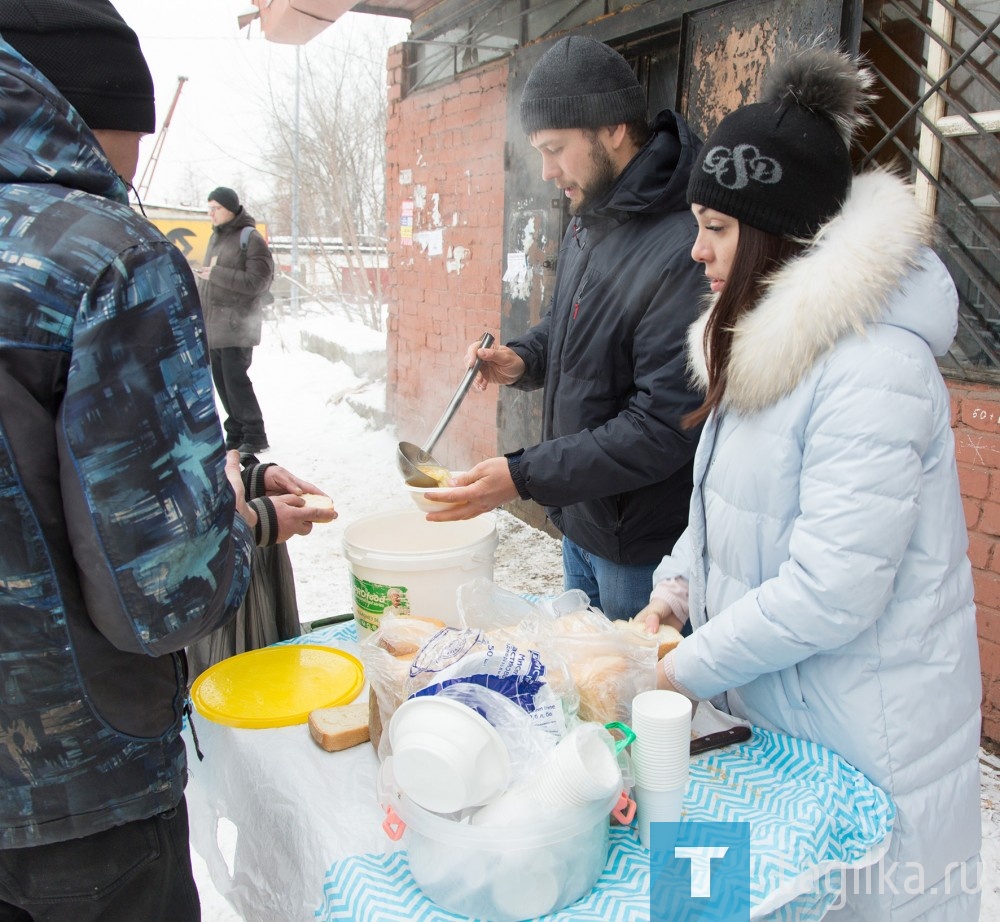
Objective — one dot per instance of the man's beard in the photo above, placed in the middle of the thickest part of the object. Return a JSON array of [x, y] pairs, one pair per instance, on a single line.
[[601, 182]]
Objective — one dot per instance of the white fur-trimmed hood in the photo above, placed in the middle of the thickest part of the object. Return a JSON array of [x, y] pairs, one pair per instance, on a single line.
[[844, 280]]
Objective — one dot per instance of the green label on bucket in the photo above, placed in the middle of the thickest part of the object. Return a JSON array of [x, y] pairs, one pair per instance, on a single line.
[[372, 600]]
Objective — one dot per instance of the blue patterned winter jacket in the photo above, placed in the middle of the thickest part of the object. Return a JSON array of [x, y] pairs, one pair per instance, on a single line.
[[119, 542]]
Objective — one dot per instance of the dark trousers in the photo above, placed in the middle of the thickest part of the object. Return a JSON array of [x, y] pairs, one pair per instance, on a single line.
[[244, 420], [139, 872]]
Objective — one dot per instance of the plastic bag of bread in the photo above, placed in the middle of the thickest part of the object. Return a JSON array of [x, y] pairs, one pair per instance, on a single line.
[[610, 661], [504, 660], [506, 616], [407, 655], [386, 655]]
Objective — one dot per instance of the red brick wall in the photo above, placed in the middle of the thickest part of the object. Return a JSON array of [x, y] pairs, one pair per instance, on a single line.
[[976, 421], [445, 156]]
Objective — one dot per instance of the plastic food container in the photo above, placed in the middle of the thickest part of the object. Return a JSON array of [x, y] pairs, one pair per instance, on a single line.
[[426, 502], [504, 874], [446, 755], [398, 558]]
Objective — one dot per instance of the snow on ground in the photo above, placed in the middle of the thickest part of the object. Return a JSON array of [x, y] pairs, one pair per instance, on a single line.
[[316, 433]]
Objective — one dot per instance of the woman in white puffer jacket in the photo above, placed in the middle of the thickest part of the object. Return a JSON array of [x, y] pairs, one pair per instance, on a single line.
[[824, 565]]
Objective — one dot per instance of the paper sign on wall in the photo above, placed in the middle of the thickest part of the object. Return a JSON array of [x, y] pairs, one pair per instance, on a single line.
[[406, 223], [517, 266], [432, 241]]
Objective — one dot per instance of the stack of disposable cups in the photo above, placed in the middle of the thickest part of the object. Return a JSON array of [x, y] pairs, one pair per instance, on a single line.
[[580, 769], [661, 752]]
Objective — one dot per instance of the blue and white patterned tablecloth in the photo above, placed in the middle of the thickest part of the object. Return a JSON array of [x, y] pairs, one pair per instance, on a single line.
[[333, 635], [810, 814], [381, 887]]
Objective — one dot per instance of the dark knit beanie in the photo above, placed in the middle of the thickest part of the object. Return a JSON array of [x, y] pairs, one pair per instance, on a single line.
[[580, 83], [783, 164], [226, 198], [91, 56]]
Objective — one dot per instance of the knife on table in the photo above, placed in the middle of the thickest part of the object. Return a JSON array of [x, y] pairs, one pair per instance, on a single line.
[[736, 734]]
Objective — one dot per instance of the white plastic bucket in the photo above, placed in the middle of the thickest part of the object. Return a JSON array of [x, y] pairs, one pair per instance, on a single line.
[[504, 875], [401, 561]]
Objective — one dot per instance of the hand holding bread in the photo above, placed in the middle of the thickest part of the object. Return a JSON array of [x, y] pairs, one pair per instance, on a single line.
[[667, 637], [296, 516], [655, 615]]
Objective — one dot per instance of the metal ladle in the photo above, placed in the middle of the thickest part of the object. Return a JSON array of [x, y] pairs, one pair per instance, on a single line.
[[411, 458]]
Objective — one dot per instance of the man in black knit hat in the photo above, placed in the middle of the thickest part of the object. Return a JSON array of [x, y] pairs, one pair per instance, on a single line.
[[237, 273], [613, 468]]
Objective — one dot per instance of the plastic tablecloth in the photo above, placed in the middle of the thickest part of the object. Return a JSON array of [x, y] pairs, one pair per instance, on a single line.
[[289, 831]]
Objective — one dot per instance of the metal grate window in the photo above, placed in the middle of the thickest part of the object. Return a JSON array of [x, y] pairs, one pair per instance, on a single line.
[[938, 116]]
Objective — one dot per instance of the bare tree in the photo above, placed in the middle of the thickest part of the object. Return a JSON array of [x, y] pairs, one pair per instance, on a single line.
[[341, 165]]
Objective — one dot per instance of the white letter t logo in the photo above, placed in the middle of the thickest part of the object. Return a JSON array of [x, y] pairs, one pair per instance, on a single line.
[[701, 866]]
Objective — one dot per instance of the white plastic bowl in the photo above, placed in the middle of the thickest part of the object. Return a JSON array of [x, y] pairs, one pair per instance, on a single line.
[[446, 756], [424, 502]]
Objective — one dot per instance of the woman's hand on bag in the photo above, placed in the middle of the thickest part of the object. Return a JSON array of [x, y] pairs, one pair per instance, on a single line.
[[657, 612]]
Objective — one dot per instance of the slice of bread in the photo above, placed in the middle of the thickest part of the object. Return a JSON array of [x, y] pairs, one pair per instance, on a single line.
[[317, 501], [667, 637], [403, 636], [340, 727], [374, 718]]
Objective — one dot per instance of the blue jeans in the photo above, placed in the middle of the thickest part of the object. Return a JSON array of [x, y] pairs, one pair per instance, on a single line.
[[619, 590], [138, 871]]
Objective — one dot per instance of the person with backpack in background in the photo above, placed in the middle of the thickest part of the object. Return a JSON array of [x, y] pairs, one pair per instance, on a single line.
[[232, 283]]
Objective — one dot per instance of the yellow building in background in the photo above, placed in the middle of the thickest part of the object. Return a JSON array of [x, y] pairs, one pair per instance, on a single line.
[[187, 229]]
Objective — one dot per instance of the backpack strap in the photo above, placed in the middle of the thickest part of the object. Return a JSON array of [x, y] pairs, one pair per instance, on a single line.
[[244, 239], [264, 297]]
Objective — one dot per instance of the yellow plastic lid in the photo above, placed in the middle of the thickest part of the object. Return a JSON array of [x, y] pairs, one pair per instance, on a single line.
[[276, 686]]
